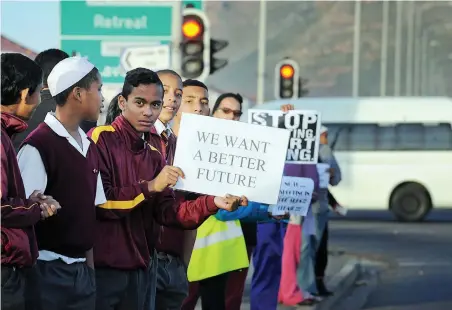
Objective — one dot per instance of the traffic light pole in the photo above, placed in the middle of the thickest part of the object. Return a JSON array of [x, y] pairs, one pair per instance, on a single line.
[[176, 62], [262, 52]]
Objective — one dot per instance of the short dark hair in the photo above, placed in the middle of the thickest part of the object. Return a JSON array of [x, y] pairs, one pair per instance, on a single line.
[[169, 71], [18, 73], [84, 83], [113, 110], [237, 97], [197, 83], [48, 59], [139, 76]]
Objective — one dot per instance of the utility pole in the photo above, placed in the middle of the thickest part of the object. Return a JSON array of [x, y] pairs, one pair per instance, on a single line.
[[261, 49], [356, 48]]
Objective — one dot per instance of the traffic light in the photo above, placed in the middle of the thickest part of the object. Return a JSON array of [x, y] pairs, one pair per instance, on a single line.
[[198, 49], [287, 78], [216, 46], [195, 45]]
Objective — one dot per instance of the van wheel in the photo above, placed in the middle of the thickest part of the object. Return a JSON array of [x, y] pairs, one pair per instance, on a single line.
[[410, 202]]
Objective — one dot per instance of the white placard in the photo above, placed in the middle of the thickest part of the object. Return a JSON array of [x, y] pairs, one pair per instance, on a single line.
[[324, 175], [295, 196], [275, 211], [221, 157], [155, 58], [304, 126]]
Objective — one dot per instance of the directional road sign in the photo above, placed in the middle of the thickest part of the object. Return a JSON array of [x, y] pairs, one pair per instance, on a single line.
[[152, 57], [102, 30]]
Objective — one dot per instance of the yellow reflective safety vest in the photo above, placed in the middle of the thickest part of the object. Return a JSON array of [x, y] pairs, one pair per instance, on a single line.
[[219, 248]]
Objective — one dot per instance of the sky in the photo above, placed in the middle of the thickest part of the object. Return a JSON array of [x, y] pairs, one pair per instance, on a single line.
[[32, 23]]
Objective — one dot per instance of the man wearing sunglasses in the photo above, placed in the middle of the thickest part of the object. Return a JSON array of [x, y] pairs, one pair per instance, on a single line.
[[228, 106]]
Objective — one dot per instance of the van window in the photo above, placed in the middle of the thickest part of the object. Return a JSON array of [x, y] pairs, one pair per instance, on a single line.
[[438, 137], [400, 137], [338, 136], [387, 138], [363, 137], [410, 137]]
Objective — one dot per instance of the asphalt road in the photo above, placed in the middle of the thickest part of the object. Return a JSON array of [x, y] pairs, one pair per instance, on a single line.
[[420, 255]]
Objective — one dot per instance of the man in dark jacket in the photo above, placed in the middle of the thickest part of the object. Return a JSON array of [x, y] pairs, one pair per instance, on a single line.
[[46, 60]]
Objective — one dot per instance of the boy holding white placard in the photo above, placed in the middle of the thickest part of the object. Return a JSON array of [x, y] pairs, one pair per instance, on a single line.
[[137, 187]]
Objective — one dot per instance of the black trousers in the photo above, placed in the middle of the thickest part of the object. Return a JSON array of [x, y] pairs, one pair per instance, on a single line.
[[321, 258], [213, 292], [121, 289], [61, 286], [331, 200], [13, 288]]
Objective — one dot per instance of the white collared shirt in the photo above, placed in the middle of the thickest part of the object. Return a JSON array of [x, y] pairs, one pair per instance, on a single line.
[[160, 127], [35, 177]]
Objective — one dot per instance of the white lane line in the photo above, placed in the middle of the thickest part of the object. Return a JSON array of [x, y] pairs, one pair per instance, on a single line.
[[424, 264]]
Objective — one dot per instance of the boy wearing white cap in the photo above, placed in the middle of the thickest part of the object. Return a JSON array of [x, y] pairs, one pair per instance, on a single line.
[[60, 160]]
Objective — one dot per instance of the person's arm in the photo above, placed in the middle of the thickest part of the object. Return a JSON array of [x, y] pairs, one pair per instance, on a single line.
[[259, 213], [120, 200], [34, 177], [331, 200], [16, 212], [254, 213], [189, 214], [240, 213], [337, 176], [32, 169]]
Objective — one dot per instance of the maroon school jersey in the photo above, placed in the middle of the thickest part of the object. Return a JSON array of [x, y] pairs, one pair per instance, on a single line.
[[131, 209], [18, 213], [72, 181]]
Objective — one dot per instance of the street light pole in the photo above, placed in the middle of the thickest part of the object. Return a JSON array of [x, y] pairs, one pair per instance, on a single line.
[[398, 48], [384, 48], [417, 52], [356, 48], [410, 47], [261, 49], [423, 73]]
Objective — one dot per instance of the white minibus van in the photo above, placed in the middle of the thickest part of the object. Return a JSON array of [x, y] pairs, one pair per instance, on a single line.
[[394, 152]]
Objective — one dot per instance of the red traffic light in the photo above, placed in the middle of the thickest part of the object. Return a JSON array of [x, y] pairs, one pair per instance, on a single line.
[[287, 71], [192, 28]]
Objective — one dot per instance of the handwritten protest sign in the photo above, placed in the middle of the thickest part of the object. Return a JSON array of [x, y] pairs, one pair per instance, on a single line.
[[295, 196], [221, 157], [304, 126]]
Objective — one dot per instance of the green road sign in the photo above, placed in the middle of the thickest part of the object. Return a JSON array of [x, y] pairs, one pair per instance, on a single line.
[[102, 30], [78, 18], [105, 55]]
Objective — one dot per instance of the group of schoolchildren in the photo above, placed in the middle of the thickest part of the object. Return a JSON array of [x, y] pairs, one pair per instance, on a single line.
[[90, 220]]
